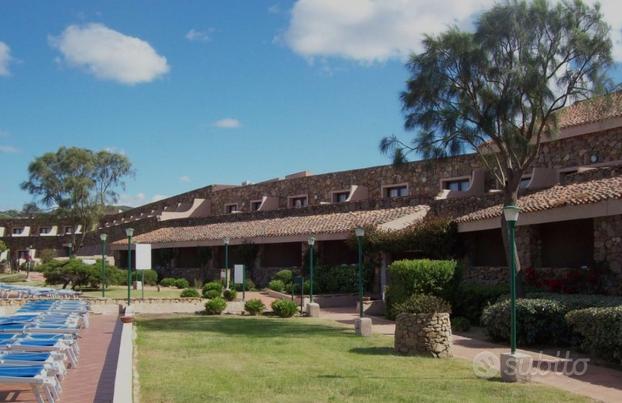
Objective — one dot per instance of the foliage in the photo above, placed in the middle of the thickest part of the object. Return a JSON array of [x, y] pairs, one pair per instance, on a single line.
[[574, 281], [248, 283], [284, 308], [190, 293], [181, 283], [469, 299], [285, 275], [46, 255], [215, 286], [78, 183], [254, 306], [422, 276], [422, 303], [599, 330], [460, 324], [72, 271], [3, 246], [211, 294], [151, 276], [230, 295], [215, 306], [167, 282], [276, 285]]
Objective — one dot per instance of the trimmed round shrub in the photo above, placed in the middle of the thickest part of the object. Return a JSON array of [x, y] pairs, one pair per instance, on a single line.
[[539, 321], [213, 285], [189, 293], [215, 306], [168, 282], [284, 308], [599, 331], [285, 275], [211, 294], [423, 304], [230, 294], [276, 285], [250, 285], [254, 306], [460, 324], [182, 283]]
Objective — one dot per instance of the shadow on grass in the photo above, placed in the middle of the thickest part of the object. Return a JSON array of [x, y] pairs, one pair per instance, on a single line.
[[245, 327], [373, 350]]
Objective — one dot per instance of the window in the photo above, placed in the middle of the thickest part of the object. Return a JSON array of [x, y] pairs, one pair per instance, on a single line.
[[340, 197], [255, 205], [231, 208], [524, 182], [396, 191], [457, 185], [18, 231], [68, 230], [44, 230], [298, 202]]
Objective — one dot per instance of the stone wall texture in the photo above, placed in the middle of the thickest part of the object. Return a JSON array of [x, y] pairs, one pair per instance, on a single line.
[[423, 334], [608, 245]]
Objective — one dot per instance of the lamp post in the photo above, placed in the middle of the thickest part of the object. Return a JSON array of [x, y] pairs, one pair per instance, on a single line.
[[360, 233], [226, 242], [311, 242], [511, 216], [129, 232], [29, 265], [103, 238], [70, 246]]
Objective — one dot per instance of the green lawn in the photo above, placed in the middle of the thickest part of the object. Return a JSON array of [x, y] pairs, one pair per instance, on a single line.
[[121, 292], [200, 358]]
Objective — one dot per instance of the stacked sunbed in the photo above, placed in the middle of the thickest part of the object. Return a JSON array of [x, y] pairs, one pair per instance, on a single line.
[[39, 342], [22, 291]]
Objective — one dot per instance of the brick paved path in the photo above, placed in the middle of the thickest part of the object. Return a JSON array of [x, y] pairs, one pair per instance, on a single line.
[[93, 379]]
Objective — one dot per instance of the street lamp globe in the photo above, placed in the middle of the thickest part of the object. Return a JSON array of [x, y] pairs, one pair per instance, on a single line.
[[359, 232], [311, 240], [226, 241], [103, 237], [511, 213], [129, 232]]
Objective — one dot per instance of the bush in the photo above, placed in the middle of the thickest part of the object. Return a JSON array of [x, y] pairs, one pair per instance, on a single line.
[[285, 275], [599, 330], [230, 294], [181, 283], [469, 299], [215, 306], [422, 276], [276, 285], [254, 306], [249, 285], [539, 321], [422, 303], [210, 294], [460, 324], [151, 276], [47, 255], [189, 293], [213, 285], [284, 308], [72, 271], [167, 282]]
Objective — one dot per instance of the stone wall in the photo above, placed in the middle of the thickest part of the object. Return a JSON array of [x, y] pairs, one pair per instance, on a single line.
[[423, 334], [608, 245]]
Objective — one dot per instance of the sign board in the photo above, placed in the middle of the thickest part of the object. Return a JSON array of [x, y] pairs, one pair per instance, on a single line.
[[143, 256], [90, 262], [238, 274]]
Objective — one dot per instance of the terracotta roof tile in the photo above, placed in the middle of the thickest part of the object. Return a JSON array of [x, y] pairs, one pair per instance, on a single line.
[[591, 110], [281, 227], [558, 196]]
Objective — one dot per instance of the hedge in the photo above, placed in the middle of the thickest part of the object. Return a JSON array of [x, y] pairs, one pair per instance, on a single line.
[[599, 331], [420, 276], [469, 299]]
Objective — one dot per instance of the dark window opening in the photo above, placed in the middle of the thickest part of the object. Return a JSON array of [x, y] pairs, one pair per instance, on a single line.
[[396, 191], [458, 185], [340, 197]]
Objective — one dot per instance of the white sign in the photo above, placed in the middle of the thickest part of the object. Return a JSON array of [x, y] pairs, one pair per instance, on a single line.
[[238, 274], [143, 256]]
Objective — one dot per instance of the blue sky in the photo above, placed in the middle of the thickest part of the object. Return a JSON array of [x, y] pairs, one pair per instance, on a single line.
[[207, 91]]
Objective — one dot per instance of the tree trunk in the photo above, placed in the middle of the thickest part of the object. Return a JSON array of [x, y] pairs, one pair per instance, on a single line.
[[510, 197]]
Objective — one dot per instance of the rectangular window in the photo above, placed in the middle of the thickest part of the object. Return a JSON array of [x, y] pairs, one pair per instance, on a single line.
[[396, 191], [457, 185], [340, 197], [68, 230], [231, 208], [255, 205], [44, 230], [18, 231], [524, 182], [298, 202]]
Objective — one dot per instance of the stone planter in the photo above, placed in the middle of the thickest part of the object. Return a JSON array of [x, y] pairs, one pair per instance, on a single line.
[[427, 334]]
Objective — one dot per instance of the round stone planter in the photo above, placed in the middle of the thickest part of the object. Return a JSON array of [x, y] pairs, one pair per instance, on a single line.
[[427, 334]]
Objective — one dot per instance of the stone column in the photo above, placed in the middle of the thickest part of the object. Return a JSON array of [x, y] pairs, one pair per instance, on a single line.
[[383, 273]]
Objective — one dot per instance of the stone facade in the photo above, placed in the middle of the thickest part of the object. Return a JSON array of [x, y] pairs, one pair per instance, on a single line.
[[423, 334], [608, 245]]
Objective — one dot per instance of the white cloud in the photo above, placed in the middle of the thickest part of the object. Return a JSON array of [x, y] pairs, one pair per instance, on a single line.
[[199, 36], [5, 59], [377, 30], [227, 123], [132, 200], [184, 178], [8, 150], [158, 197], [109, 54]]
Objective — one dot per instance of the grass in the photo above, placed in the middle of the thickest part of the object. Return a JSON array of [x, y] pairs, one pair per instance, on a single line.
[[190, 359], [121, 292]]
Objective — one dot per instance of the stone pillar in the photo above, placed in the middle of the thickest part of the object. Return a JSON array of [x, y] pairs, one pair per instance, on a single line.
[[383, 273], [608, 245], [304, 247], [257, 263]]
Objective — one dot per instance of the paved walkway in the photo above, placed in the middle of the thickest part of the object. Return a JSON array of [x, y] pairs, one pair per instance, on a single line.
[[599, 383], [93, 379]]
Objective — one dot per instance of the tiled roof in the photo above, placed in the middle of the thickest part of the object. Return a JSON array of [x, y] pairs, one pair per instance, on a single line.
[[558, 196], [282, 227], [591, 110]]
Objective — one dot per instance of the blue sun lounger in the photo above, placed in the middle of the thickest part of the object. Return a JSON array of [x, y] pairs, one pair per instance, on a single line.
[[46, 388]]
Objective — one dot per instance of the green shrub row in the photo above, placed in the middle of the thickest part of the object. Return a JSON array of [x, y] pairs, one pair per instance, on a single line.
[[190, 293], [468, 300], [599, 331], [174, 282]]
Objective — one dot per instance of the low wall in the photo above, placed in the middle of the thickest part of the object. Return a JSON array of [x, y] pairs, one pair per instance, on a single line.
[[123, 380], [325, 300]]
